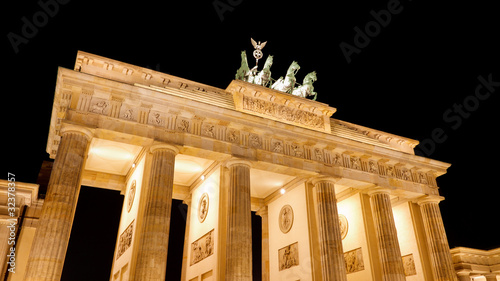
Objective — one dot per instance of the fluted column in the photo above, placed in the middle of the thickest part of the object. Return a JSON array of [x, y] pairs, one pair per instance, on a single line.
[[333, 265], [51, 240], [153, 244], [388, 244], [442, 264], [239, 223]]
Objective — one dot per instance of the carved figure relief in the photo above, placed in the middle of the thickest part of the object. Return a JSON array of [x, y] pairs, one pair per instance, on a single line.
[[390, 171], [283, 112], [125, 240], [155, 118], [296, 150], [373, 167], [406, 174], [183, 125], [355, 163], [423, 178], [131, 195], [344, 226], [208, 130], [203, 207], [286, 218], [288, 256], [277, 146], [409, 265], [337, 159], [99, 106], [202, 248], [354, 261], [255, 141], [233, 136], [128, 113], [319, 154]]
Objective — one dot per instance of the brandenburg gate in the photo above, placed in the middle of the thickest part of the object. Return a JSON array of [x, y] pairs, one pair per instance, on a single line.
[[338, 201]]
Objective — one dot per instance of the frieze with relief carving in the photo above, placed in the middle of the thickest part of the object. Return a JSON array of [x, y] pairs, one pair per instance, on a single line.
[[283, 112], [270, 103]]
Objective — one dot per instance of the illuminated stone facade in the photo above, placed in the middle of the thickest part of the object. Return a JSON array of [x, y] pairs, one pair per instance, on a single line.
[[338, 201]]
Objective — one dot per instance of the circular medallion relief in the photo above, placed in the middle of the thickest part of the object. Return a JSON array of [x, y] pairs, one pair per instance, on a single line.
[[131, 195], [344, 226], [203, 207], [286, 218]]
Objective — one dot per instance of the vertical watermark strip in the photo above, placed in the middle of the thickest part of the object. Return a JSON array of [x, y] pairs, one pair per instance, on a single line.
[[11, 209]]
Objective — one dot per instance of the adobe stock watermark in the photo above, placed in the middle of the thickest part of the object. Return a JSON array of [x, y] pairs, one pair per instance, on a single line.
[[223, 6], [363, 37], [456, 114], [31, 26], [12, 227]]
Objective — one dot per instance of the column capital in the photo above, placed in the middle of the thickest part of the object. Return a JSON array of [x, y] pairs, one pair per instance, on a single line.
[[464, 272], [378, 190], [319, 179], [237, 161], [67, 128], [188, 199], [430, 199], [157, 146], [262, 211]]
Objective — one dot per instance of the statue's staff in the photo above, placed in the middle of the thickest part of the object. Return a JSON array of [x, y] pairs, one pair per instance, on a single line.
[[257, 54]]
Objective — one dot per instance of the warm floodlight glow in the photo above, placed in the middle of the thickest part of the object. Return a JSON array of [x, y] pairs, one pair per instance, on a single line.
[[112, 153], [133, 165], [282, 191], [202, 177], [187, 166]]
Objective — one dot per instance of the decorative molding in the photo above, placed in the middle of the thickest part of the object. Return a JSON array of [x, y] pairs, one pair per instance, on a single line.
[[285, 219], [203, 207], [131, 196], [344, 226]]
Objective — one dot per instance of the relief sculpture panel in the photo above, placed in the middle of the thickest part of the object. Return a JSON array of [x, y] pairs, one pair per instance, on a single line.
[[283, 112], [354, 261], [409, 265], [288, 256], [125, 240], [202, 248]]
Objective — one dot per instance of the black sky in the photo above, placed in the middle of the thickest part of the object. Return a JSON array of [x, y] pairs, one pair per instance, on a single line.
[[411, 78]]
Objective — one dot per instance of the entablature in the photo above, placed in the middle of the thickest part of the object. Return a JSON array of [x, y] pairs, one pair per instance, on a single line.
[[143, 112]]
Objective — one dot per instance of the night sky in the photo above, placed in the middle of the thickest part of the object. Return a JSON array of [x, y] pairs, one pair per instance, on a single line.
[[426, 70]]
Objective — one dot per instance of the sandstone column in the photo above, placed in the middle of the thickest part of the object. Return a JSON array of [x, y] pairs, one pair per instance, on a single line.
[[153, 244], [388, 245], [442, 264], [333, 265], [49, 247], [239, 224]]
